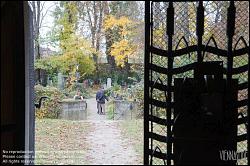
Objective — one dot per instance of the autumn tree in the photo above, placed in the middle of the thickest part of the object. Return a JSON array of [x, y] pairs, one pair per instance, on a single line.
[[109, 41], [91, 23], [122, 47], [121, 24], [39, 14], [76, 51], [86, 19], [91, 15]]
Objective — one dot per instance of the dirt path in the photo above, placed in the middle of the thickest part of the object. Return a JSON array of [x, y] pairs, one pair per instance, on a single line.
[[107, 147], [92, 111]]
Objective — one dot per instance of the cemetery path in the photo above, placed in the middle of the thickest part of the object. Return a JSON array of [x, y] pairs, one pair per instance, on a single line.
[[92, 110], [106, 143]]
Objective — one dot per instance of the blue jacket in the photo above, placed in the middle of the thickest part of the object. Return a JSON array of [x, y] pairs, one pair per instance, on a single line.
[[100, 97]]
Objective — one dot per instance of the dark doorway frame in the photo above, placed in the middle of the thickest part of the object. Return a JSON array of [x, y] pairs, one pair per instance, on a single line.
[[17, 85]]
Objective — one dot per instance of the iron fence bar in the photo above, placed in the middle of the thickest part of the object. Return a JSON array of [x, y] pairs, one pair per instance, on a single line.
[[242, 137], [230, 33], [231, 16], [157, 103], [151, 72], [159, 155], [193, 48], [160, 121], [158, 137], [150, 50], [205, 49], [178, 70], [199, 29], [214, 50], [146, 80], [243, 85], [170, 32], [248, 111], [155, 150], [159, 86], [241, 51], [176, 53], [242, 120]]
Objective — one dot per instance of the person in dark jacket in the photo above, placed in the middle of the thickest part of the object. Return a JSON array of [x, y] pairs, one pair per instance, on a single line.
[[100, 99]]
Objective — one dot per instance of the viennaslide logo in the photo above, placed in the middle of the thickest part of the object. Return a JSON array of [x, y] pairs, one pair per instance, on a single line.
[[227, 155]]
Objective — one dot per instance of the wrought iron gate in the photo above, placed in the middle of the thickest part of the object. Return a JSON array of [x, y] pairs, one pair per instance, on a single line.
[[178, 35]]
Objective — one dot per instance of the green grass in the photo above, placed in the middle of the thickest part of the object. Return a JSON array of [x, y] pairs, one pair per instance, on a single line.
[[133, 131], [60, 142]]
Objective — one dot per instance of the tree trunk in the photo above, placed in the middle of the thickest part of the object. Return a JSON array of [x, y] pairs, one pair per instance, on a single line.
[[36, 19], [127, 68], [98, 35], [110, 59]]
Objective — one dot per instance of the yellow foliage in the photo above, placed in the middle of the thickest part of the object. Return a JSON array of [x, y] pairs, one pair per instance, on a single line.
[[41, 113], [123, 21], [121, 50], [77, 50], [110, 22]]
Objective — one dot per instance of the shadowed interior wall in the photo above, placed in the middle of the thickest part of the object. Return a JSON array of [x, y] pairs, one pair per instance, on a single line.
[[12, 76]]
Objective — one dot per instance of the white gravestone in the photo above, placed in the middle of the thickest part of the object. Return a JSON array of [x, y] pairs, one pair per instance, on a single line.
[[108, 82], [60, 81]]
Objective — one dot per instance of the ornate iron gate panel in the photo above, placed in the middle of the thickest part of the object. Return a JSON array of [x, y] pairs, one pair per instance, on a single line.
[[179, 35]]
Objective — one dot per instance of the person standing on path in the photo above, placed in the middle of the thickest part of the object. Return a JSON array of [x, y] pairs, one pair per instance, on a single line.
[[100, 99]]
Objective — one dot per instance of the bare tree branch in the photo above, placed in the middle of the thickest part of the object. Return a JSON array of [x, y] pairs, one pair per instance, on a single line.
[[46, 12], [42, 6], [44, 26], [38, 14], [88, 12], [98, 36]]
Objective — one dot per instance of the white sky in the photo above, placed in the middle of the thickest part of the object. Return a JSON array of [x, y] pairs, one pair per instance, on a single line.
[[48, 20]]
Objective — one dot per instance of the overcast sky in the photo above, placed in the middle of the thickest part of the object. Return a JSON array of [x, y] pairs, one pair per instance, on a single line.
[[48, 20], [47, 23]]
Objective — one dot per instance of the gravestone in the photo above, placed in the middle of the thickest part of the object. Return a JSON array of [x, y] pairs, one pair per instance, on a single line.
[[108, 82], [49, 81], [73, 109], [44, 77], [125, 110], [60, 81]]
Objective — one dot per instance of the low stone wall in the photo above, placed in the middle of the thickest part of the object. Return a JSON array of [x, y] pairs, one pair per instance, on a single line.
[[125, 110], [73, 109]]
